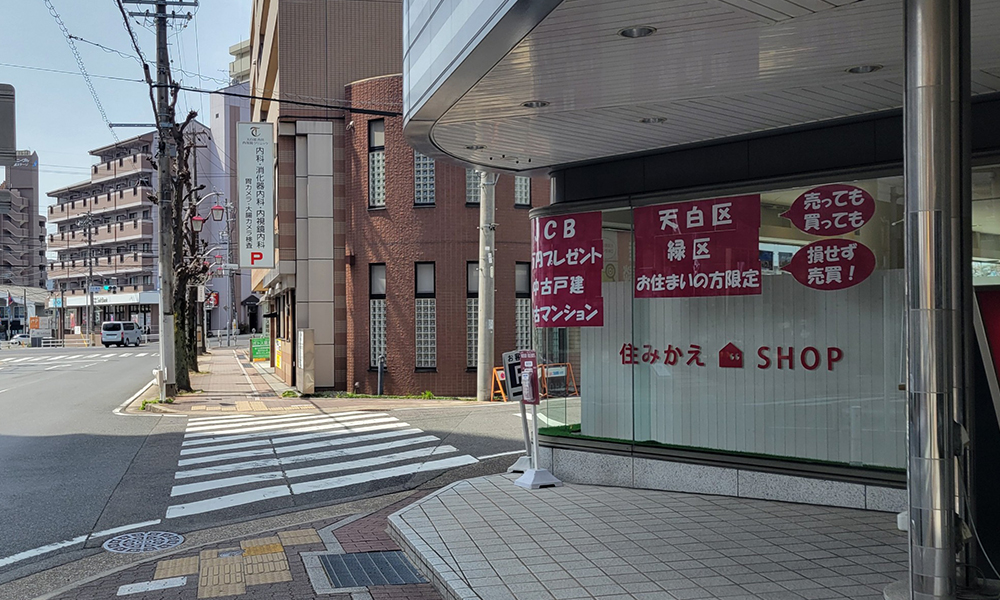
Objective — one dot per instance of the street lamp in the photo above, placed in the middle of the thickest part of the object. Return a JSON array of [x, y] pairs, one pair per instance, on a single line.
[[197, 223], [217, 212]]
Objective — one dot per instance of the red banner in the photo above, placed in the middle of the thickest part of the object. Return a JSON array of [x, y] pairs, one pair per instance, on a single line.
[[701, 248], [829, 265], [566, 263], [833, 209]]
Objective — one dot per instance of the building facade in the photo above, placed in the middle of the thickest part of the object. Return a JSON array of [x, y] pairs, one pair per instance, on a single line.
[[359, 214], [752, 341], [22, 229]]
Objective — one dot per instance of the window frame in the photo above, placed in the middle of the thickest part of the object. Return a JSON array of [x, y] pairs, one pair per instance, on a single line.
[[477, 201], [528, 181], [371, 271], [518, 293], [416, 279], [417, 159]]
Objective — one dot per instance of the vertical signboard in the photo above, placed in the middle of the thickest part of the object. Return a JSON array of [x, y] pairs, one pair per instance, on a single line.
[[255, 213], [696, 249], [566, 264]]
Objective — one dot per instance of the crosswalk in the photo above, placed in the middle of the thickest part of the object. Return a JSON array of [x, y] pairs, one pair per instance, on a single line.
[[73, 358], [232, 460]]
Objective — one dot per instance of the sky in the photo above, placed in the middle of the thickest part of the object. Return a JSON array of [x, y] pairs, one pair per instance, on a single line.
[[56, 114]]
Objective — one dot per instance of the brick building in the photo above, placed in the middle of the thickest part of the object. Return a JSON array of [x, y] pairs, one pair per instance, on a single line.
[[22, 229], [326, 69]]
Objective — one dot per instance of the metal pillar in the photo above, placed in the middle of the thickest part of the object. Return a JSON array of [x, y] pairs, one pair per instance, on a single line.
[[938, 281], [487, 291]]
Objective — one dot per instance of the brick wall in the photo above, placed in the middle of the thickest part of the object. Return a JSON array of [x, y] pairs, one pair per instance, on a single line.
[[401, 234]]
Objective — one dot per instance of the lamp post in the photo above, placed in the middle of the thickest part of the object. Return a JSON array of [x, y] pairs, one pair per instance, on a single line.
[[218, 212]]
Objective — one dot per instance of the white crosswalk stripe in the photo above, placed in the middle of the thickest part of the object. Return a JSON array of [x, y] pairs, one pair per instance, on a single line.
[[228, 461], [74, 360]]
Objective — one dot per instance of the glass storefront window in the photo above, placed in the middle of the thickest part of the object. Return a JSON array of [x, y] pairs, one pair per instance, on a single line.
[[794, 369]]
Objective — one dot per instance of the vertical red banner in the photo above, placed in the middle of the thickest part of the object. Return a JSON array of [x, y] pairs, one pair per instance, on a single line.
[[567, 256], [695, 249]]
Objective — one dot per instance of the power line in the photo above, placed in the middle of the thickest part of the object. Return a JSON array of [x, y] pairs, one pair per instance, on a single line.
[[79, 62], [62, 72]]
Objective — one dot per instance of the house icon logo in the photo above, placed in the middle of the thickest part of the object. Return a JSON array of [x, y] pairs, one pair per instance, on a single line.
[[731, 357]]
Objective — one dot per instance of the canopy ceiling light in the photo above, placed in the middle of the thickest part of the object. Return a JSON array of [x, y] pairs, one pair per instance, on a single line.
[[863, 69], [637, 31], [535, 104]]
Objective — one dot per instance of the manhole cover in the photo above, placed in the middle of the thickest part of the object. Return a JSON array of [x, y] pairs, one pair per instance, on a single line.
[[143, 541]]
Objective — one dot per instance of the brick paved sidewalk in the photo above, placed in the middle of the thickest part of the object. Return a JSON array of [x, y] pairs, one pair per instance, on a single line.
[[273, 565]]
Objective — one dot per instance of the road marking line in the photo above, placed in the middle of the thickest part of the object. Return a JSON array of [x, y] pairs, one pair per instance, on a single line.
[[126, 354], [221, 502], [150, 586], [87, 365], [214, 484], [369, 462], [141, 354], [311, 428], [41, 550], [207, 420], [268, 438], [512, 452], [546, 420], [123, 529], [348, 480], [349, 440], [193, 428], [290, 460], [51, 358], [55, 367], [271, 426], [225, 456], [237, 446]]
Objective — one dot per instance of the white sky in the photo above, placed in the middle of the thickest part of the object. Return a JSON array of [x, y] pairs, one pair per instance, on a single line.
[[56, 115]]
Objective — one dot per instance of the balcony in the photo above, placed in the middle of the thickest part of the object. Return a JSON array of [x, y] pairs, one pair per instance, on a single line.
[[102, 203], [122, 288], [118, 231], [132, 262], [132, 163]]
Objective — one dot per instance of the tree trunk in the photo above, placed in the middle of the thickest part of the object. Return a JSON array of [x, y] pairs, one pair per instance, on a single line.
[[182, 346], [193, 327]]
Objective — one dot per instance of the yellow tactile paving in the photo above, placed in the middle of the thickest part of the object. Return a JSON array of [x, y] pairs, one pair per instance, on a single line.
[[176, 567], [299, 536], [263, 549], [264, 541], [198, 407], [257, 405], [243, 405], [213, 407], [221, 577], [266, 568]]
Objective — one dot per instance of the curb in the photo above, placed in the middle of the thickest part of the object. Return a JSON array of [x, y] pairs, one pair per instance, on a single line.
[[120, 411]]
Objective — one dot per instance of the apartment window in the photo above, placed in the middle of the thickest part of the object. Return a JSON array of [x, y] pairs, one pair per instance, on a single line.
[[522, 305], [376, 163], [472, 186], [423, 179], [522, 191], [376, 312], [145, 214], [471, 314], [426, 316], [147, 279]]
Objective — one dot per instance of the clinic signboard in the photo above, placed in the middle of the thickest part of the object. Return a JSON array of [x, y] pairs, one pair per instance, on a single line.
[[255, 178]]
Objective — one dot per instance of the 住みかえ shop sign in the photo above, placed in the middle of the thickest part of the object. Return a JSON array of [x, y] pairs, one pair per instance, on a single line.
[[700, 248], [566, 263], [255, 174]]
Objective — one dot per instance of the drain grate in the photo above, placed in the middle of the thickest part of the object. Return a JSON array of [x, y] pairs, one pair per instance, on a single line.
[[143, 541], [362, 569]]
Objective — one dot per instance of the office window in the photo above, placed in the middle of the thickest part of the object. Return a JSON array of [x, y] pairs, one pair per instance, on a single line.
[[472, 186], [423, 179], [471, 314], [522, 306], [376, 163], [426, 316], [376, 312], [522, 191]]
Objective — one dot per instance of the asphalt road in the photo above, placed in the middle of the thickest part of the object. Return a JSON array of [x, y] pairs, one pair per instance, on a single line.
[[71, 468]]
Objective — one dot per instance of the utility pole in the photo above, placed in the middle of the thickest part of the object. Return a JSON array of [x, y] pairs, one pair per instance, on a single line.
[[89, 224], [165, 126], [487, 249]]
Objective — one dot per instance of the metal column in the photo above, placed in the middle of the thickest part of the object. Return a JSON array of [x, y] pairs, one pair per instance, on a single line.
[[938, 281], [487, 291]]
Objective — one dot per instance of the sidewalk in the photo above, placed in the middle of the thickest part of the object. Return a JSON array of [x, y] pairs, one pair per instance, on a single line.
[[293, 563], [229, 382], [487, 538]]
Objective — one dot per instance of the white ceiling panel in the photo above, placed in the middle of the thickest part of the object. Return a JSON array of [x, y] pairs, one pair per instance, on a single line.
[[713, 69]]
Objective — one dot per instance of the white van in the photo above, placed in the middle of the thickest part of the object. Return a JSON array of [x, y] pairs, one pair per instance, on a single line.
[[120, 333]]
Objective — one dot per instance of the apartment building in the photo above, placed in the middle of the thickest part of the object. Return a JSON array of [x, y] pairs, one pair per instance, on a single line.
[[376, 246], [22, 229]]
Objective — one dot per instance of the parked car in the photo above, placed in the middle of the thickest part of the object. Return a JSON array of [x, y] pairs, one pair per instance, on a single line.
[[120, 333], [21, 339]]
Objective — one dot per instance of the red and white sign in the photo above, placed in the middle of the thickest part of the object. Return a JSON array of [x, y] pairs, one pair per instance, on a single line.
[[829, 265], [833, 209], [529, 377], [701, 248], [566, 263], [255, 174]]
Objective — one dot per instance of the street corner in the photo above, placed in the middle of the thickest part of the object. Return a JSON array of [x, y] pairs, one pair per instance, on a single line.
[[347, 558]]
